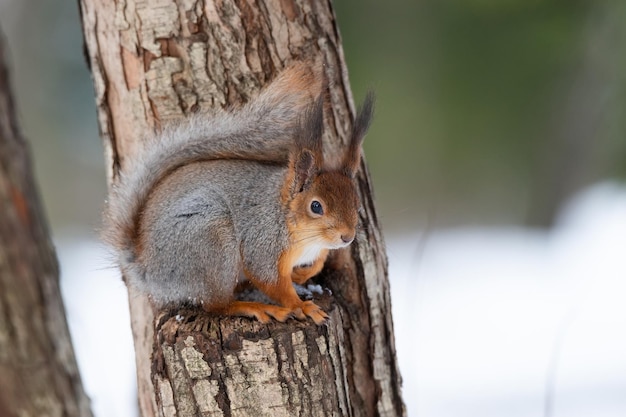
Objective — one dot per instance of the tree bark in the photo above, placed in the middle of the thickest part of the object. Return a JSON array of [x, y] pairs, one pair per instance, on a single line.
[[153, 62], [38, 371]]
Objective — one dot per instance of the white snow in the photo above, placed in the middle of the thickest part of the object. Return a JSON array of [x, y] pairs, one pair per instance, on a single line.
[[487, 321], [97, 310]]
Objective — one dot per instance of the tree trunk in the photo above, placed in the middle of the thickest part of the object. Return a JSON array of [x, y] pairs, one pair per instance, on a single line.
[[38, 371], [153, 62]]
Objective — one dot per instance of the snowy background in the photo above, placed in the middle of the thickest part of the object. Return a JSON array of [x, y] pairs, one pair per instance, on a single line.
[[488, 321]]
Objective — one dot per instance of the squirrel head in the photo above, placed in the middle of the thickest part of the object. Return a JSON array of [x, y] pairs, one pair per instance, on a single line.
[[323, 201]]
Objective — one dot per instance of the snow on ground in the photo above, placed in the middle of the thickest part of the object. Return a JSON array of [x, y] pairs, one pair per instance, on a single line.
[[96, 304], [488, 322]]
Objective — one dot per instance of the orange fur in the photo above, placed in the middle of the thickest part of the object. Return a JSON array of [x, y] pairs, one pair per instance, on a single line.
[[300, 274], [262, 312], [302, 76], [283, 293]]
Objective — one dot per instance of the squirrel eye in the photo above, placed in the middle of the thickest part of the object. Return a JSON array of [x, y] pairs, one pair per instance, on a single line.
[[316, 207]]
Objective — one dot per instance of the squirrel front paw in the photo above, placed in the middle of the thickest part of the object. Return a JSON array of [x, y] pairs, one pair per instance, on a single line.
[[312, 310]]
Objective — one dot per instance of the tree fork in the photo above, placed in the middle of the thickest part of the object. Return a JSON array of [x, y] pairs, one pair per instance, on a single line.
[[153, 62]]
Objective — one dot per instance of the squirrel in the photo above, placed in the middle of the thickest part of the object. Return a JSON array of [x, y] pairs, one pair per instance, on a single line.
[[245, 190]]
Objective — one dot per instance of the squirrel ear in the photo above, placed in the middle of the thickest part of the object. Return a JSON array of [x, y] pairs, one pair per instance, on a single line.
[[361, 124], [304, 169], [307, 157], [309, 134]]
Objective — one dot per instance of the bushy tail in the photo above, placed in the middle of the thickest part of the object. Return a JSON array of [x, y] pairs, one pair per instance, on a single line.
[[261, 130]]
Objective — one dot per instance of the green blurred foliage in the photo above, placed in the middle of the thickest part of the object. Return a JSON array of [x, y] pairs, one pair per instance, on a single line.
[[475, 99]]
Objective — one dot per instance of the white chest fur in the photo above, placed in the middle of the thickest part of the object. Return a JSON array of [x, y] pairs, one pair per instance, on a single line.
[[309, 254]]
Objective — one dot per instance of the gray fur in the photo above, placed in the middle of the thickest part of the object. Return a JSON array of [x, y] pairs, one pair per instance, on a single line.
[[262, 130], [159, 224], [232, 215]]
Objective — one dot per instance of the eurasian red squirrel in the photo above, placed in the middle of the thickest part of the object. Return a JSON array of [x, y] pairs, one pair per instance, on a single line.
[[245, 190]]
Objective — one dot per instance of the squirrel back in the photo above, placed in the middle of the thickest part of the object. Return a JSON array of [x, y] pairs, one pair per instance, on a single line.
[[261, 130]]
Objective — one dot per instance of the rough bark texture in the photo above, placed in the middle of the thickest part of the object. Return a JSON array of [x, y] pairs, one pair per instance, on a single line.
[[241, 367], [157, 61], [38, 371]]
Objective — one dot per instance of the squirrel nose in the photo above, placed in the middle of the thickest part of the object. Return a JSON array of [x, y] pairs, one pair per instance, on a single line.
[[347, 238]]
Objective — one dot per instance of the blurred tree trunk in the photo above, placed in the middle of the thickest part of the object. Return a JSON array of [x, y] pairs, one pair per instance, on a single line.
[[157, 61], [38, 371], [575, 148]]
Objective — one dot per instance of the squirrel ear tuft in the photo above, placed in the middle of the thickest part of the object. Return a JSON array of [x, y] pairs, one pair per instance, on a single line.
[[305, 170], [309, 134], [307, 155], [361, 124]]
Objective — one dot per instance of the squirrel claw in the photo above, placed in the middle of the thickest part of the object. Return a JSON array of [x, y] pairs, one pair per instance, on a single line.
[[298, 313], [310, 309], [261, 317], [279, 313], [262, 312]]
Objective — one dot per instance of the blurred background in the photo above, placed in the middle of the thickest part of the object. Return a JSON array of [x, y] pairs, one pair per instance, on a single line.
[[498, 155]]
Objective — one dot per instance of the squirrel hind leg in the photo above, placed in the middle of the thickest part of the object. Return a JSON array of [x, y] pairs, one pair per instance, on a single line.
[[265, 312], [262, 312], [283, 292]]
